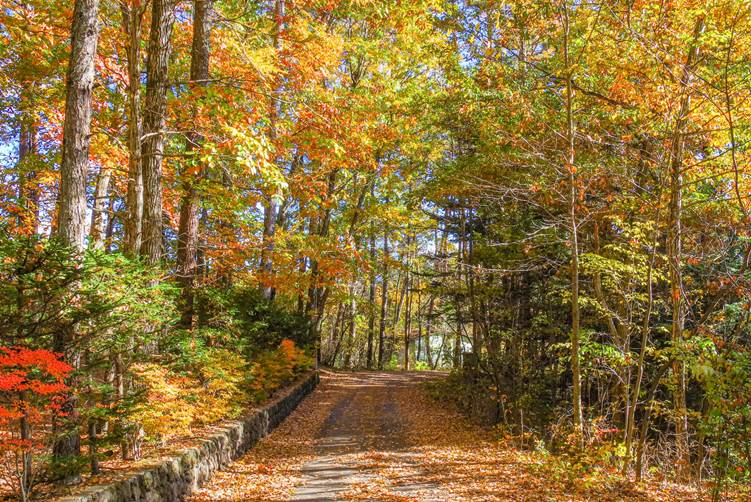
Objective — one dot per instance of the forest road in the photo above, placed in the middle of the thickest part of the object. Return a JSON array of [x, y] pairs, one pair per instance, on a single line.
[[366, 418], [380, 436]]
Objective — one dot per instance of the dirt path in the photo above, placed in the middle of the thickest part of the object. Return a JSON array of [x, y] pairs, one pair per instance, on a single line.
[[366, 419], [377, 436]]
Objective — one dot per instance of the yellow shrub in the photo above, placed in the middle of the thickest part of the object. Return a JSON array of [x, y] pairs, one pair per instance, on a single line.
[[163, 411], [276, 368], [218, 389], [221, 394]]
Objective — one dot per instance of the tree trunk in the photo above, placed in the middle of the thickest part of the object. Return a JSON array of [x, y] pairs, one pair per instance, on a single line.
[[27, 465], [28, 188], [645, 422], [408, 297], [336, 337], [71, 225], [428, 325], [318, 294], [352, 325], [574, 239], [187, 244], [401, 289], [98, 222], [407, 323], [675, 252], [271, 207], [384, 299], [457, 359], [458, 302], [132, 19], [631, 415], [109, 231], [74, 167], [154, 114], [371, 298], [418, 338]]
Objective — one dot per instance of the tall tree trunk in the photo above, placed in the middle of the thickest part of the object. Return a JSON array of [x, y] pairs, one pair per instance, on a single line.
[[352, 325], [675, 252], [384, 299], [336, 336], [28, 188], [71, 225], [74, 167], [407, 322], [401, 289], [408, 296], [457, 359], [27, 465], [154, 114], [620, 333], [573, 222], [98, 228], [371, 298], [318, 294], [109, 231], [646, 420], [271, 207], [132, 15], [187, 244], [428, 333], [631, 416], [418, 338], [469, 277]]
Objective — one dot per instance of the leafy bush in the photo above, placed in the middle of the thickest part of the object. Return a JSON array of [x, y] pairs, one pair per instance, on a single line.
[[31, 383], [162, 413], [173, 400], [102, 312], [222, 387], [273, 369], [264, 324], [217, 384], [726, 376]]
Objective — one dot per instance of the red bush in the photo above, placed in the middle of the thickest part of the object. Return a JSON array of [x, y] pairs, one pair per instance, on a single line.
[[32, 381]]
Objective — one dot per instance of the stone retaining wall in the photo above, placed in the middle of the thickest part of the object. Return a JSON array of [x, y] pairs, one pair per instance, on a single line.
[[171, 480]]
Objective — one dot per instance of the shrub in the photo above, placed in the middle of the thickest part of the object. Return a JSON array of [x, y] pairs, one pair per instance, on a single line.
[[31, 383], [273, 369], [221, 390], [265, 324], [210, 386], [163, 411]]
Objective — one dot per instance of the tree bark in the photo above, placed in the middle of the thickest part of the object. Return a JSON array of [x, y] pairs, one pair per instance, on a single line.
[[71, 225], [675, 252], [352, 327], [631, 415], [74, 167], [132, 20], [28, 188], [645, 422], [407, 322], [428, 333], [318, 294], [336, 336], [187, 245], [384, 299], [154, 114], [573, 222], [271, 207], [371, 298], [98, 228]]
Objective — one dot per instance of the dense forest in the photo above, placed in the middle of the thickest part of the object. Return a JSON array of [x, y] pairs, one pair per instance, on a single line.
[[550, 198]]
